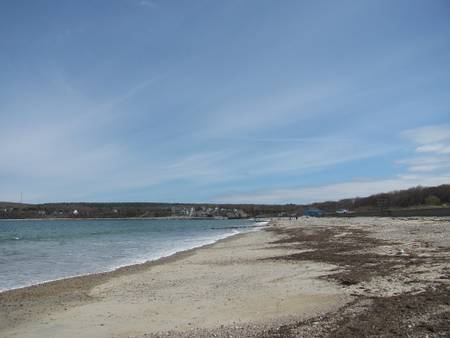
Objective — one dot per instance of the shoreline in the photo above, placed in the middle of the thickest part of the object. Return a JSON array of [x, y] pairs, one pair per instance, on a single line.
[[295, 278], [132, 267], [178, 218], [206, 287]]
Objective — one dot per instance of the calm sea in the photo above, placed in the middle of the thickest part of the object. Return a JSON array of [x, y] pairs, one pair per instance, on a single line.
[[35, 251]]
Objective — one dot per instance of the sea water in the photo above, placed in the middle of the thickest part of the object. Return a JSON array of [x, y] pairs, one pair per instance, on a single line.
[[35, 251]]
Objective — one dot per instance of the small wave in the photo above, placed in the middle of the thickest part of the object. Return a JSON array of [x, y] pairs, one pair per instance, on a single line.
[[178, 237], [9, 239], [199, 242], [242, 227], [229, 228], [262, 223]]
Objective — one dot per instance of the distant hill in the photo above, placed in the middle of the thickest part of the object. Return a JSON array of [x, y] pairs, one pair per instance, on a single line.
[[422, 200], [417, 197], [142, 210]]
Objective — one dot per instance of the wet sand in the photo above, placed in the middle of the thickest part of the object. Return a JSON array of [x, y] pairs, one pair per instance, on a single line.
[[310, 277]]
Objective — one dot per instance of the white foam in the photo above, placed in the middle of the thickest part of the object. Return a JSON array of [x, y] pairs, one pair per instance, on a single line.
[[202, 241]]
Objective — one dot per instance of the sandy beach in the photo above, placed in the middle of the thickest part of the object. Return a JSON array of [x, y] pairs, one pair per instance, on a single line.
[[346, 277]]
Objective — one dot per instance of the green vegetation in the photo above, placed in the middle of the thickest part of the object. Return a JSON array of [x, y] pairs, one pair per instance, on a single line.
[[432, 200]]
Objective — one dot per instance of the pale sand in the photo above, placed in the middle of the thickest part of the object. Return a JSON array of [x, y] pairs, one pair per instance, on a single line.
[[225, 284]]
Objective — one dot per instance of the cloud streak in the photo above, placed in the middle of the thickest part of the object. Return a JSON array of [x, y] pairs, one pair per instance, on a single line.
[[425, 171], [131, 103], [336, 191], [428, 135]]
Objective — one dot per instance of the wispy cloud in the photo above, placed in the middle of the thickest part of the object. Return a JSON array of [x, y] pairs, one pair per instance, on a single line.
[[147, 3], [248, 107], [307, 155], [428, 135], [334, 191], [420, 170], [439, 148], [426, 164], [432, 146], [240, 116], [62, 138]]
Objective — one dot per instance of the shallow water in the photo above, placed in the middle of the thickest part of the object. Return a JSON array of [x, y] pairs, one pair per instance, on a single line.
[[34, 251]]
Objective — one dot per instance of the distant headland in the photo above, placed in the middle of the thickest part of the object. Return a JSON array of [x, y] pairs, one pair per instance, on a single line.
[[417, 201]]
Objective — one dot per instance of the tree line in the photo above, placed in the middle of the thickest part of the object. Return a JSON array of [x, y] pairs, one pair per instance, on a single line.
[[414, 197]]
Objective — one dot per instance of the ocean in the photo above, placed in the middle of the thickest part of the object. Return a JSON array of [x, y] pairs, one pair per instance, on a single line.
[[36, 251]]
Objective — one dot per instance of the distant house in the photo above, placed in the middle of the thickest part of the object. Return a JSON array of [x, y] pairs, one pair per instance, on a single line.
[[75, 212], [313, 212]]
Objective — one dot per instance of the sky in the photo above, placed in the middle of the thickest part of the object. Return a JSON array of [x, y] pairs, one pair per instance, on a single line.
[[257, 101]]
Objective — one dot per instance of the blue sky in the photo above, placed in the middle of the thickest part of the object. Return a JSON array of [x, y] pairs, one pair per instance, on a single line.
[[222, 101]]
